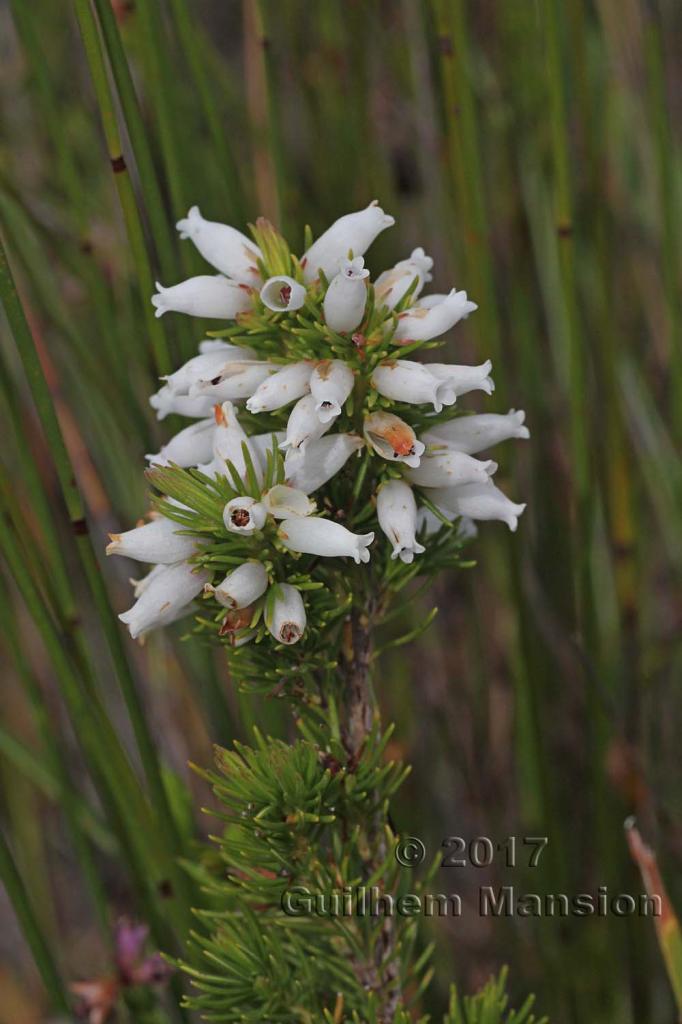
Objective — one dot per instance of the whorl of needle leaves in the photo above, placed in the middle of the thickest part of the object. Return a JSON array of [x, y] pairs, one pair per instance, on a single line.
[[297, 816]]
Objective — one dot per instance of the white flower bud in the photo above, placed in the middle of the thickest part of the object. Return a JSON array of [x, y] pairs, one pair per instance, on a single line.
[[244, 515], [167, 401], [282, 294], [304, 424], [283, 387], [166, 598], [285, 616], [392, 438], [205, 366], [189, 447], [478, 501], [314, 536], [403, 380], [354, 233], [344, 303], [157, 541], [211, 296], [473, 434], [397, 513], [241, 587], [310, 468], [331, 382], [225, 248], [391, 286], [421, 323], [462, 379], [282, 502], [447, 468], [234, 381]]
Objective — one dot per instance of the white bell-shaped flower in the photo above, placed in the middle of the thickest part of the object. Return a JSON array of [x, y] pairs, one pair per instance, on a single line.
[[421, 323], [282, 502], [282, 294], [244, 515], [161, 540], [228, 438], [404, 380], [331, 382], [166, 401], [225, 248], [315, 536], [310, 468], [282, 388], [304, 424], [393, 439], [391, 286], [285, 617], [234, 381], [447, 468], [353, 232], [463, 379], [208, 295], [139, 586], [166, 598], [473, 434], [346, 297], [242, 586], [205, 366], [429, 301], [397, 513], [480, 501], [189, 447]]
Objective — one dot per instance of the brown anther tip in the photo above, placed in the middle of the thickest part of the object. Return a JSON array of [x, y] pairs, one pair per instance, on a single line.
[[219, 415], [118, 164]]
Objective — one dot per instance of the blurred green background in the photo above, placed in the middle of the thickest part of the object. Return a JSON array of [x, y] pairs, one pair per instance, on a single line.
[[533, 149]]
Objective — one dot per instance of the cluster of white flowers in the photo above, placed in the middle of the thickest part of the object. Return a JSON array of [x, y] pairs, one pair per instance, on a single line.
[[356, 376]]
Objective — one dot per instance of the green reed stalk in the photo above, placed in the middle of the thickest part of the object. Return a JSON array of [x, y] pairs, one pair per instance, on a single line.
[[57, 767], [665, 148], [98, 71], [564, 228], [16, 890], [195, 46], [76, 512]]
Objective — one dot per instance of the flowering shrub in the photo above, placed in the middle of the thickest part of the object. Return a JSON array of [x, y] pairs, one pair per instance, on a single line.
[[316, 436], [325, 469]]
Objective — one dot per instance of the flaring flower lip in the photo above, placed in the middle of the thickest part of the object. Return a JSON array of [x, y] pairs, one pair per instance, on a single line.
[[282, 502], [244, 515], [282, 294]]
